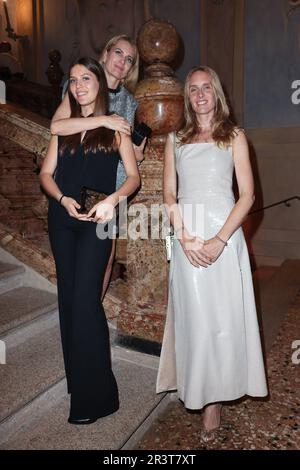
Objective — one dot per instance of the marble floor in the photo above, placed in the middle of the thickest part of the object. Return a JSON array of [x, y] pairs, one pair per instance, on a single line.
[[269, 424]]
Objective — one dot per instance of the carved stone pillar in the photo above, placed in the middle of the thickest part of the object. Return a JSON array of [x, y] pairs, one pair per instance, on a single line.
[[160, 97]]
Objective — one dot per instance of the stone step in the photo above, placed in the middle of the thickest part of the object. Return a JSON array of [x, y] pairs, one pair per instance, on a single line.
[[275, 292], [42, 241], [23, 304], [43, 423], [33, 364], [11, 277]]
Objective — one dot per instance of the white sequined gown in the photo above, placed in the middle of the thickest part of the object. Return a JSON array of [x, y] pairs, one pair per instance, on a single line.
[[211, 348]]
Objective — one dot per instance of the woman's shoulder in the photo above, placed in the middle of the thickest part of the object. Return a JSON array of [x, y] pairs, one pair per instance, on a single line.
[[122, 139], [174, 136], [174, 140], [238, 130], [171, 136], [238, 133]]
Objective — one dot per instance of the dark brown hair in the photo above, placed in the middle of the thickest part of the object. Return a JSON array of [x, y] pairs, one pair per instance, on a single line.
[[223, 129], [96, 139]]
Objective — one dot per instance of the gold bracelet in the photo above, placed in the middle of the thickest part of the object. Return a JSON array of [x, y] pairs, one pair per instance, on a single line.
[[218, 238]]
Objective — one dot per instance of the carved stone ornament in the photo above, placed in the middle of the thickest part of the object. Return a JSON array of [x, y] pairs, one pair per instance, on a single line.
[[160, 94]]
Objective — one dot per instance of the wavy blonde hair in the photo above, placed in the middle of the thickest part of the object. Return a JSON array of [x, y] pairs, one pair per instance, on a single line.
[[131, 80], [223, 129]]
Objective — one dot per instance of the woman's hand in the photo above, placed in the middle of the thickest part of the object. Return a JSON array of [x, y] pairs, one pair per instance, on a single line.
[[117, 123], [101, 212], [213, 248], [71, 205], [193, 248], [139, 150]]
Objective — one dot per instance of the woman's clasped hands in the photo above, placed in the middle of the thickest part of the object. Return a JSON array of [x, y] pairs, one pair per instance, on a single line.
[[101, 212], [201, 252], [71, 206]]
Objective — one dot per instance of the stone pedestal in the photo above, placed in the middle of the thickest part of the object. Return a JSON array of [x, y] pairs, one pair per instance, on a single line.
[[160, 97]]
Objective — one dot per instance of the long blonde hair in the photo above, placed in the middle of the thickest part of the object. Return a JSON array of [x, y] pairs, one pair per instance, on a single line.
[[223, 129], [131, 80]]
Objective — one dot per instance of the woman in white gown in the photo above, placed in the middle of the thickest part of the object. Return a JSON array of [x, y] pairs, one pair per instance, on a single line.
[[211, 349]]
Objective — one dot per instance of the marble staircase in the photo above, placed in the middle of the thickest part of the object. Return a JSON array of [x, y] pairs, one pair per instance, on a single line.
[[34, 402]]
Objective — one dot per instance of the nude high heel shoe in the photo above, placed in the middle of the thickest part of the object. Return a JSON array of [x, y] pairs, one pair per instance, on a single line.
[[209, 434]]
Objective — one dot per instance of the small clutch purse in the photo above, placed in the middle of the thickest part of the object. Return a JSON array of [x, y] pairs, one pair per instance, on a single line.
[[141, 131], [88, 198]]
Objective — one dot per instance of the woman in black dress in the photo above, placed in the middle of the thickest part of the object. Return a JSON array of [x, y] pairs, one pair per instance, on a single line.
[[85, 159], [120, 61]]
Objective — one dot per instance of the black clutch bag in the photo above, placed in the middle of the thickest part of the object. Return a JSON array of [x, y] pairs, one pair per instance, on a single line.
[[141, 131], [88, 198]]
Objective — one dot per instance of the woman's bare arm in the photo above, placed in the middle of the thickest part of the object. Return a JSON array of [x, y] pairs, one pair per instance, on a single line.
[[245, 183], [48, 183], [62, 124], [214, 246], [128, 158], [48, 169], [192, 246]]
